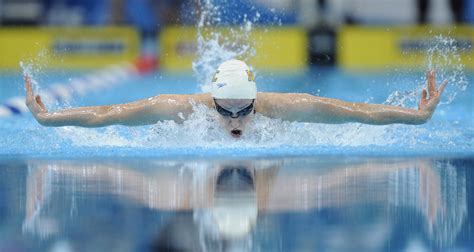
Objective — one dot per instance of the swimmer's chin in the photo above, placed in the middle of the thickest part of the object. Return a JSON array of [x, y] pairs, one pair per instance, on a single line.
[[236, 133]]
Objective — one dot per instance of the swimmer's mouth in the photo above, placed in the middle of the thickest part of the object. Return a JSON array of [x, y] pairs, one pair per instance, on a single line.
[[236, 133]]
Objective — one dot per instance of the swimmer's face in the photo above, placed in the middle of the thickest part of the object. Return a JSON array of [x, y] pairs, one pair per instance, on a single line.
[[235, 114]]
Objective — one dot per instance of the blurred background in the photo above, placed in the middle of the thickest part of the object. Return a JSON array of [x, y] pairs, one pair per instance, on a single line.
[[161, 34], [391, 42]]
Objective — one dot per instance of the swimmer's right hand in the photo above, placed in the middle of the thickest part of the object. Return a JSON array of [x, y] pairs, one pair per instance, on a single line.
[[34, 103]]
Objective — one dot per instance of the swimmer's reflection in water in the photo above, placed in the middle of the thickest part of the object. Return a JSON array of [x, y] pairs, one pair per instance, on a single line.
[[219, 206], [235, 98], [226, 226]]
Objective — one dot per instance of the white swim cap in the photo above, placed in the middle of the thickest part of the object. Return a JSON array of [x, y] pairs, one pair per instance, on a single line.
[[234, 80]]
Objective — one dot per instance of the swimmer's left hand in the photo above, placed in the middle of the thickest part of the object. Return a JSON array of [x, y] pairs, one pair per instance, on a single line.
[[429, 104], [34, 103]]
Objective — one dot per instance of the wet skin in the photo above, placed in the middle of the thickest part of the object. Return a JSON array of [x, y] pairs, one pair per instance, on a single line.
[[293, 107]]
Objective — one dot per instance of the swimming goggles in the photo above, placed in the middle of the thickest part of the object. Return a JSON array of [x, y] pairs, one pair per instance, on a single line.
[[242, 112]]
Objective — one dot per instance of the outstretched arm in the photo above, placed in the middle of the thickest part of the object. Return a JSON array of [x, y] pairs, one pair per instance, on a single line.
[[309, 108], [141, 112]]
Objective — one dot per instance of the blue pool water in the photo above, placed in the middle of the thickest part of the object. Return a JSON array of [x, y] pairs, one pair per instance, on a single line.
[[259, 204], [282, 187], [450, 132]]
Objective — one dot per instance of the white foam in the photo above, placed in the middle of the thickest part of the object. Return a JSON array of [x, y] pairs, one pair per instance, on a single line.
[[202, 130], [95, 137]]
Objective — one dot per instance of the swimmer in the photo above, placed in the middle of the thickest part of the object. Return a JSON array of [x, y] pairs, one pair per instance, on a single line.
[[234, 96]]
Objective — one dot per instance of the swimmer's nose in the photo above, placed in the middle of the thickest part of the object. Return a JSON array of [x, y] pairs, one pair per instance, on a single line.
[[234, 123]]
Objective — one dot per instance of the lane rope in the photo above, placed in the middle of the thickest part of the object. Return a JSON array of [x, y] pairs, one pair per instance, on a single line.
[[102, 79]]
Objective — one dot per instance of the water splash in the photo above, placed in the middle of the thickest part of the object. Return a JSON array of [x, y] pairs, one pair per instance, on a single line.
[[31, 70], [217, 44], [202, 133], [36, 66], [37, 69], [443, 55]]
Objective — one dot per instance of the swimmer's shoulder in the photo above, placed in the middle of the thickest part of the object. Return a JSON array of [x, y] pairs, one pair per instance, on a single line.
[[272, 104], [203, 98], [270, 97]]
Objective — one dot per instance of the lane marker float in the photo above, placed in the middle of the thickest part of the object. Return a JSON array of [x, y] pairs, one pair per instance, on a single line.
[[102, 79]]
